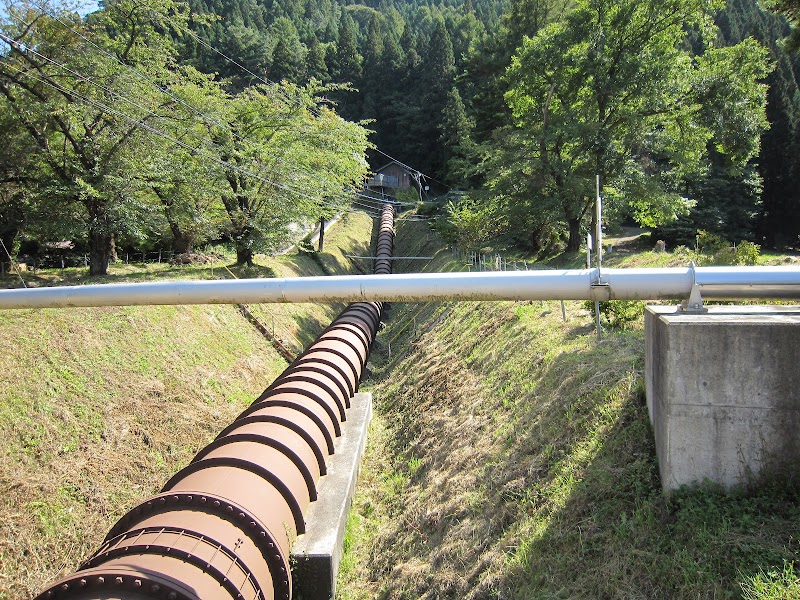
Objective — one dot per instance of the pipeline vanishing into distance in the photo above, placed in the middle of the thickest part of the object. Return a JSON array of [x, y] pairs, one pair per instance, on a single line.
[[223, 526]]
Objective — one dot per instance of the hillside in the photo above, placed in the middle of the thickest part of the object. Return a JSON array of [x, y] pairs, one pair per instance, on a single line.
[[100, 407], [512, 457]]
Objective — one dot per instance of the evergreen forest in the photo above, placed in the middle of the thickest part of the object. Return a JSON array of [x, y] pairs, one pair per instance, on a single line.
[[154, 123]]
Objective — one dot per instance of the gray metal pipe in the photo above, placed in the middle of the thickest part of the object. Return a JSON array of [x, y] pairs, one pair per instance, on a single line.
[[583, 284]]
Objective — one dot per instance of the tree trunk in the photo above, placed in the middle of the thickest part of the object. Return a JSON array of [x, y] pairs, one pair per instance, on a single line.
[[244, 256], [99, 252], [183, 244], [574, 242], [101, 240]]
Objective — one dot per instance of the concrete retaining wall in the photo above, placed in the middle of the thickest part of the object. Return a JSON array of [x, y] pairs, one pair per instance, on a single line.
[[723, 392]]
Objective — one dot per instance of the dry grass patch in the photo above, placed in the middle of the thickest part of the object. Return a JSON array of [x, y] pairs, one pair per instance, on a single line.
[[98, 408]]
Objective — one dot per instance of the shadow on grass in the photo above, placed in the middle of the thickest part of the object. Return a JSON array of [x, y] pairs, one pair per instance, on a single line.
[[137, 274], [618, 536], [517, 474]]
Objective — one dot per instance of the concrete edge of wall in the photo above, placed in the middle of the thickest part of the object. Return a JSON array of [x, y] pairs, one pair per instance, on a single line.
[[723, 393], [317, 553]]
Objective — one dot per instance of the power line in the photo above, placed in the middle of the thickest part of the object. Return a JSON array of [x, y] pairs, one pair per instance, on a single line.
[[313, 109], [210, 144], [382, 201], [209, 46], [151, 129], [14, 264], [264, 80], [164, 89]]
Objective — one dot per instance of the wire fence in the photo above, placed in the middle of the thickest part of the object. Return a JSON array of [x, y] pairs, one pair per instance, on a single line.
[[478, 261], [68, 260]]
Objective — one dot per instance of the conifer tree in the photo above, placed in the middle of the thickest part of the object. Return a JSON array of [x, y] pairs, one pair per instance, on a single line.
[[345, 64], [288, 57], [373, 53], [315, 60]]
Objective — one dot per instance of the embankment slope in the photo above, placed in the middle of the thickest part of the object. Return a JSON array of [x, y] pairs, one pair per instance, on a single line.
[[512, 457]]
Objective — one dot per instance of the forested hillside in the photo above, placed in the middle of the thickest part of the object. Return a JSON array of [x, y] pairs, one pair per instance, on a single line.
[[165, 123], [437, 84]]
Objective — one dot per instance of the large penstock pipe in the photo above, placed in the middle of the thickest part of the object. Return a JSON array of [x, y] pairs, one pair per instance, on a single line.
[[222, 527]]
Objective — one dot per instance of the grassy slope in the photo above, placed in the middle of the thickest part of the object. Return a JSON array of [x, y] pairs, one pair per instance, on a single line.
[[512, 457], [99, 407]]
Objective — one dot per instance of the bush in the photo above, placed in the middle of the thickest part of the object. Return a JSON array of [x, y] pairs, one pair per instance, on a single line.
[[715, 250], [746, 253], [471, 223], [618, 314]]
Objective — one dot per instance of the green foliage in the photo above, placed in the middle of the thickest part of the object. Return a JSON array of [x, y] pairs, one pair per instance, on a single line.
[[306, 174], [610, 91], [618, 314], [146, 148], [84, 145], [775, 584], [747, 253], [470, 224], [711, 248], [791, 10]]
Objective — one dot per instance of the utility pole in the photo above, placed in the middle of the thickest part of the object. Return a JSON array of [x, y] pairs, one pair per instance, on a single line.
[[321, 233], [598, 233]]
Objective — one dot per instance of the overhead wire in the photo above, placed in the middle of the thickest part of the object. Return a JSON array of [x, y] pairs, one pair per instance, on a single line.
[[266, 80], [314, 110], [382, 201], [195, 150], [14, 265], [165, 90], [161, 88]]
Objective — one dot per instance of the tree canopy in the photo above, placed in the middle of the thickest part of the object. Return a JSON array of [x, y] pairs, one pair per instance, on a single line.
[[118, 142]]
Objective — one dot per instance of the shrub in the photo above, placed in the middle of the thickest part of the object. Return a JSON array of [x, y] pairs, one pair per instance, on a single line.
[[618, 314], [746, 253]]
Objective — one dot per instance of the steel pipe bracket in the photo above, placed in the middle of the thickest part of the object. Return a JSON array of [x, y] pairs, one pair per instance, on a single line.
[[694, 303]]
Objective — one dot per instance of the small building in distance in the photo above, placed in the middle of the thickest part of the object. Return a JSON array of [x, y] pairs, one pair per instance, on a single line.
[[393, 175]]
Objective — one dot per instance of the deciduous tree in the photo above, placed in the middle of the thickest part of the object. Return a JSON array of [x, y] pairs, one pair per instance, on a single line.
[[612, 90]]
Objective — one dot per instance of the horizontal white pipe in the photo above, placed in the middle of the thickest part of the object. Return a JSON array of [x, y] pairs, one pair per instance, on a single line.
[[584, 284]]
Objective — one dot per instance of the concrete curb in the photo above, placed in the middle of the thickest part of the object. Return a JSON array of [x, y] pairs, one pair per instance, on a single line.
[[316, 553]]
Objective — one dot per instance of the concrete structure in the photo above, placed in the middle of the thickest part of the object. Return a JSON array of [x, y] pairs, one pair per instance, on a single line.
[[316, 554], [723, 392]]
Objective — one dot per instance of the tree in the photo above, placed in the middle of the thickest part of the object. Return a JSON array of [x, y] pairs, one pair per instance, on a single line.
[[288, 57], [612, 90], [791, 10], [373, 54], [315, 60], [15, 159], [434, 82], [180, 171], [84, 127], [779, 161], [456, 129], [286, 160], [345, 65]]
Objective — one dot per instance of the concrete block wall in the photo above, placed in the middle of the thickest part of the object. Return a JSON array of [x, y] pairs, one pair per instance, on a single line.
[[723, 392]]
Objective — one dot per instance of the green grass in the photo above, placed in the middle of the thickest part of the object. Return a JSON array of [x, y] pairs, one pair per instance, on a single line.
[[99, 407], [513, 458]]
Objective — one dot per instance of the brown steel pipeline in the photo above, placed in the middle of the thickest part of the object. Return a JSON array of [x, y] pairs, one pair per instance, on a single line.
[[223, 526]]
